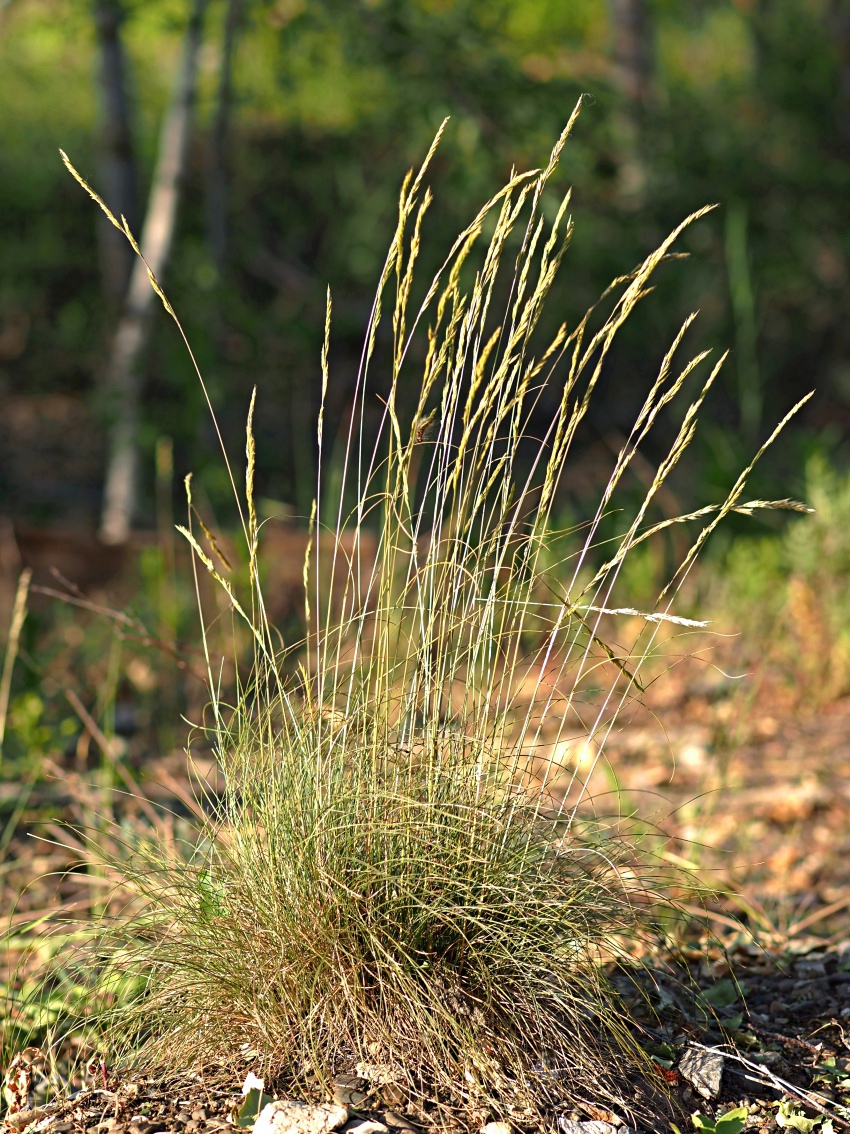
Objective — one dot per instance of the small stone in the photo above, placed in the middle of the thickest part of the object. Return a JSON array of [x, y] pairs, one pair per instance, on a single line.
[[183, 1116], [200, 1115], [398, 1121], [366, 1126], [378, 1073], [496, 1128], [290, 1117], [345, 1096], [594, 1126], [767, 1058], [349, 1091], [703, 1070], [810, 968]]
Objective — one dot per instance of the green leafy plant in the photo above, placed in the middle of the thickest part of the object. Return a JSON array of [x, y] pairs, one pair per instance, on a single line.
[[404, 875], [722, 994], [732, 1122], [255, 1099], [789, 1115], [829, 1072]]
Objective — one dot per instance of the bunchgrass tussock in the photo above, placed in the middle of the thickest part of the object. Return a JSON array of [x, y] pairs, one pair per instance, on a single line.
[[404, 876]]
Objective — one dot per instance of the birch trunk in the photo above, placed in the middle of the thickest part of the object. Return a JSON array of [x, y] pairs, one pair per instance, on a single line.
[[118, 176], [123, 376]]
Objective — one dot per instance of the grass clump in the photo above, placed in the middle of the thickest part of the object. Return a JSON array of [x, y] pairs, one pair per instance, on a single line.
[[403, 876], [418, 925]]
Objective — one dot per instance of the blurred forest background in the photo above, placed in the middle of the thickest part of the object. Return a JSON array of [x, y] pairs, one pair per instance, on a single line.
[[307, 115]]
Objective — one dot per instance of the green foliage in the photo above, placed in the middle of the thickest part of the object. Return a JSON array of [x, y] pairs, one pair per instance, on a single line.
[[722, 994], [830, 1073], [789, 1115], [26, 723], [332, 101], [35, 1010], [732, 1122]]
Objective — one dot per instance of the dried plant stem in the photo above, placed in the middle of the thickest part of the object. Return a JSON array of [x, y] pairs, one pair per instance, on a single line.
[[19, 613]]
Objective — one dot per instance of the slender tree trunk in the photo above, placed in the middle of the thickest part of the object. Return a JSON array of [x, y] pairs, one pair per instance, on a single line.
[[217, 183], [117, 159], [632, 49], [633, 66], [123, 375]]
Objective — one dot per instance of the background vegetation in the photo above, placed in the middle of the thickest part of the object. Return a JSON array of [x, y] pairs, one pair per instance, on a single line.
[[743, 103]]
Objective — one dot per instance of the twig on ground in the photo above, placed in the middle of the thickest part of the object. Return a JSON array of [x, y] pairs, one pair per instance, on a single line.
[[790, 1041]]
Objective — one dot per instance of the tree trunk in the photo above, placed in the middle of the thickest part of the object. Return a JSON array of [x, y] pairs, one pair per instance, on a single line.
[[632, 49], [117, 160], [123, 376], [217, 184]]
